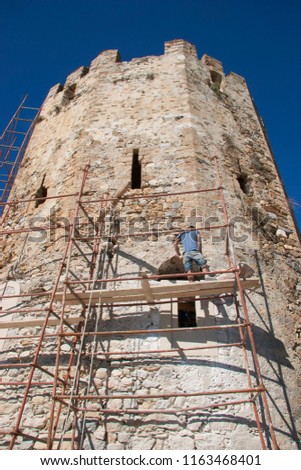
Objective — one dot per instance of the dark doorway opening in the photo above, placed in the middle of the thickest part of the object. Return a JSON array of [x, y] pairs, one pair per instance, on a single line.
[[186, 315]]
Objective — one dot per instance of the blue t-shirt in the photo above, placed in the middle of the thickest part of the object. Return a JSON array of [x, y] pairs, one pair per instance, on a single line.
[[189, 240]]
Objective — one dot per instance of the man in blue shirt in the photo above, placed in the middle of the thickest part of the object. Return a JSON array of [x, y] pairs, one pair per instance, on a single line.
[[192, 250]]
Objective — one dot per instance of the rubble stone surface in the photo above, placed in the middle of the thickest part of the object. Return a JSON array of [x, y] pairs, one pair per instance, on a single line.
[[179, 115]]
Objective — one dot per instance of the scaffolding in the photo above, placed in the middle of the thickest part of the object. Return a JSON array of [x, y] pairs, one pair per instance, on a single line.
[[13, 143], [75, 339]]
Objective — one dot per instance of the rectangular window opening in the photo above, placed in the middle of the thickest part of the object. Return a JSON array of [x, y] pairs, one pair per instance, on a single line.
[[136, 170], [186, 315]]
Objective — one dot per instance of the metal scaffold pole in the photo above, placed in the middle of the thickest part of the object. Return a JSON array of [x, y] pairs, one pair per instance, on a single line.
[[13, 143]]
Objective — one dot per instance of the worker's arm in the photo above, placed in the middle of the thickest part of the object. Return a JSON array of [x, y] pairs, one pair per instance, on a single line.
[[176, 244]]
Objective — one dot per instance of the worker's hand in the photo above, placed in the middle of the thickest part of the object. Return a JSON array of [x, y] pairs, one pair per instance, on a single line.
[[180, 257]]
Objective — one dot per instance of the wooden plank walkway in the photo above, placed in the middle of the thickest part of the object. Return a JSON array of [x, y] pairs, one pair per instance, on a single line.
[[150, 293]]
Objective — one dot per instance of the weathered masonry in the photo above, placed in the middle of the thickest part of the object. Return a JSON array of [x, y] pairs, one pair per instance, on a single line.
[[104, 343]]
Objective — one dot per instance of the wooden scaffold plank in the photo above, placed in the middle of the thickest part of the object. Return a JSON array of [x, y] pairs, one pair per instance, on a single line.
[[39, 322], [153, 293]]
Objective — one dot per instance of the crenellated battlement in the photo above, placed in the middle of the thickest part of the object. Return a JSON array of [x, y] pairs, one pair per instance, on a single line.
[[106, 59], [179, 46], [109, 61]]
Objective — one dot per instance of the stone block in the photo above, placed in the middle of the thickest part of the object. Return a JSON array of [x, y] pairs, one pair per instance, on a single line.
[[180, 443], [115, 446], [142, 443]]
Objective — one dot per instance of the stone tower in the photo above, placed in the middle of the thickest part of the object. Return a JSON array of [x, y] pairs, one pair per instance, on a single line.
[[95, 353]]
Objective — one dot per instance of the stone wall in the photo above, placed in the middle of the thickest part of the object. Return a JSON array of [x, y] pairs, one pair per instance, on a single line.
[[177, 113]]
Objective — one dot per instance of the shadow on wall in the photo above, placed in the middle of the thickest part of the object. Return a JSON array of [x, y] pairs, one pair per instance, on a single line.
[[200, 419], [270, 347], [138, 261], [278, 373], [267, 345]]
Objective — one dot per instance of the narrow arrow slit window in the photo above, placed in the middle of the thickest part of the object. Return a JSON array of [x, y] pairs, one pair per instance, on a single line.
[[136, 170]]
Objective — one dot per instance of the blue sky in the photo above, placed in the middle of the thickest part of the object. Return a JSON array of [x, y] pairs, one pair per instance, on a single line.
[[42, 41]]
